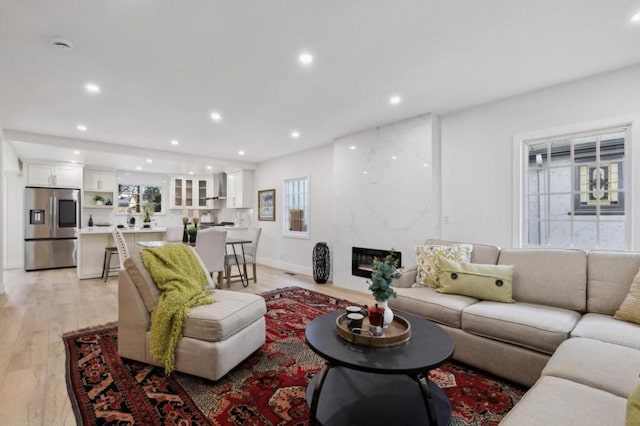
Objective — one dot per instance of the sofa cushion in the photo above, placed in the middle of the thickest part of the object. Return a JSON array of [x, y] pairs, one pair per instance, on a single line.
[[147, 289], [537, 327], [144, 283], [481, 253], [607, 329], [630, 307], [609, 275], [430, 256], [605, 366], [484, 282], [231, 312], [554, 277], [556, 401], [426, 302]]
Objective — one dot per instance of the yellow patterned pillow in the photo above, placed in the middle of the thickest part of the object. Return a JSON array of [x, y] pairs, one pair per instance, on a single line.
[[630, 308], [429, 261]]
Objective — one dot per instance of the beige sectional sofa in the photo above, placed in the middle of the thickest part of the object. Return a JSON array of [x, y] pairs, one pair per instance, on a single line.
[[559, 336]]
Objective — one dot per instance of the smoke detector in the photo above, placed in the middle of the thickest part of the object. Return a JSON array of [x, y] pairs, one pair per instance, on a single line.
[[61, 44]]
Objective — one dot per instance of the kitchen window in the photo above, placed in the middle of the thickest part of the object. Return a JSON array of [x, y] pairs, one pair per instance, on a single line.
[[134, 197], [575, 190], [296, 207]]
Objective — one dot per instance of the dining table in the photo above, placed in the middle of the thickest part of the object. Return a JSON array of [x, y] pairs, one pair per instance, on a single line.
[[230, 242]]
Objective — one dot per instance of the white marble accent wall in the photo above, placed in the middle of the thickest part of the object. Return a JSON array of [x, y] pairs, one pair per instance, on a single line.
[[384, 202]]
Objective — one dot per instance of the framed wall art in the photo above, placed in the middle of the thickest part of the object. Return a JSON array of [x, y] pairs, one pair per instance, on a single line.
[[267, 204]]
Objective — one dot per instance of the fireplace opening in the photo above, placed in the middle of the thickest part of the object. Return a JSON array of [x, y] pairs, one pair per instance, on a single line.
[[362, 260]]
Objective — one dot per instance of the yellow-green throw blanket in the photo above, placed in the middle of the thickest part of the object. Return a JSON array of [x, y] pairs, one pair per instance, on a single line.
[[179, 275]]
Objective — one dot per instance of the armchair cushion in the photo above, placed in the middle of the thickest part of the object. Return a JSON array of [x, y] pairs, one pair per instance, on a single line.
[[218, 321]]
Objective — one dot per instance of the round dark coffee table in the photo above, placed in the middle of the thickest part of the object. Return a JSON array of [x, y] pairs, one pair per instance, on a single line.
[[359, 385]]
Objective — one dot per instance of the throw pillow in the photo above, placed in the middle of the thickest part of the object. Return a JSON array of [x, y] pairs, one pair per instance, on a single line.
[[630, 308], [429, 261], [633, 408], [485, 282]]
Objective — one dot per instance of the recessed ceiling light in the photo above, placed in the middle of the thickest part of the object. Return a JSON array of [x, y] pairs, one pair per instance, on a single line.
[[425, 165], [305, 58], [394, 157], [635, 18], [76, 152], [295, 134], [240, 152], [352, 147], [395, 100], [174, 142], [365, 172], [92, 88], [215, 116], [81, 127], [209, 167], [138, 168], [149, 160], [190, 172]]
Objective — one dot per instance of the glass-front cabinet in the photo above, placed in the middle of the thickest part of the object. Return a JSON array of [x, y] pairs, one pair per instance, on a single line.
[[191, 192]]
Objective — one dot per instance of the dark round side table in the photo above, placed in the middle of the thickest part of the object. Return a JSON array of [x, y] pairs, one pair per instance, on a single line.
[[359, 385]]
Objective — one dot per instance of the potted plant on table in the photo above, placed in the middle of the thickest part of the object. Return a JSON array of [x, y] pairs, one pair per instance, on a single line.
[[384, 271], [192, 231], [148, 209]]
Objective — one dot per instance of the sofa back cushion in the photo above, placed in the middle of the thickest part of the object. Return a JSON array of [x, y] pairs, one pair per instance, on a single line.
[[554, 277], [147, 289], [144, 283], [609, 275], [481, 253]]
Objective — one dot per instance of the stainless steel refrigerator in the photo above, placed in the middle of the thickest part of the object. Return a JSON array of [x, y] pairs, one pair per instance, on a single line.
[[52, 219]]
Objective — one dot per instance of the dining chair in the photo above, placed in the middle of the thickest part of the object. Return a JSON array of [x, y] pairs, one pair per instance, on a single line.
[[250, 256], [174, 233], [210, 247]]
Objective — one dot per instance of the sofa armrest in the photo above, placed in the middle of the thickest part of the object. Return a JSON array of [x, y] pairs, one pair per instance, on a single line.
[[407, 278]]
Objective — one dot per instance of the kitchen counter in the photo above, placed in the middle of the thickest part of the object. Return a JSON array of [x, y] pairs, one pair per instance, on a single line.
[[126, 230], [93, 241]]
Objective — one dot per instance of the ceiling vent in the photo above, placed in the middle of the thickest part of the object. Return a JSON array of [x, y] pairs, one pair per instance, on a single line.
[[61, 44]]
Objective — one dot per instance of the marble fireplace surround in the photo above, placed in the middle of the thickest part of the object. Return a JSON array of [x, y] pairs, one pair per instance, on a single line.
[[387, 184]]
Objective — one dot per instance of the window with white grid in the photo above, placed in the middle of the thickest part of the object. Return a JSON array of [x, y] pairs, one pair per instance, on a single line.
[[296, 207], [575, 190]]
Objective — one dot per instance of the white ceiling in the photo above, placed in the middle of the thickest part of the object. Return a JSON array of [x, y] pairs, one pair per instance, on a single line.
[[165, 65]]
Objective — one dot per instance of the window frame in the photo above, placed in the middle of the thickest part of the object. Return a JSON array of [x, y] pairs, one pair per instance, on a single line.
[[520, 180], [285, 210], [141, 187]]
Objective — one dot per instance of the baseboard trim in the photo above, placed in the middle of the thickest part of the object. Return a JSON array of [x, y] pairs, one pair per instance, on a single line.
[[285, 266]]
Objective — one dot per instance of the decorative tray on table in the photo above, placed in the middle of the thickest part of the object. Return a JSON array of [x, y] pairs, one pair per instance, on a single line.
[[398, 333]]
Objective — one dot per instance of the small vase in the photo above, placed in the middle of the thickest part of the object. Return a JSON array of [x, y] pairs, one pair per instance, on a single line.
[[388, 313]]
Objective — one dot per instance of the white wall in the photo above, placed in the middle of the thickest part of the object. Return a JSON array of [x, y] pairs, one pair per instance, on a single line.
[[12, 213], [295, 254], [478, 177], [396, 203]]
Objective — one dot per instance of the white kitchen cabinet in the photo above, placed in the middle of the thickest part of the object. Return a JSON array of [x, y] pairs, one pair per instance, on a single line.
[[98, 182], [240, 189], [191, 192], [54, 175]]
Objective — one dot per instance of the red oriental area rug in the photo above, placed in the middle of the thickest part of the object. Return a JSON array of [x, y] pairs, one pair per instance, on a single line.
[[268, 388]]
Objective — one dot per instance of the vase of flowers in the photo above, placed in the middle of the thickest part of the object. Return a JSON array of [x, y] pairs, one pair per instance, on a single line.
[[381, 285]]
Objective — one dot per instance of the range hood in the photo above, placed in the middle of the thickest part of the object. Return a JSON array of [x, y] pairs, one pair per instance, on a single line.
[[220, 186]]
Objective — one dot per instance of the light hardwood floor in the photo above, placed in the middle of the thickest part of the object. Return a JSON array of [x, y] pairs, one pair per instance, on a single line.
[[39, 307]]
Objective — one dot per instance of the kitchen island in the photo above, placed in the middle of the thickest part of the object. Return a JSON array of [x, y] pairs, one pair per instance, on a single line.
[[93, 241]]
